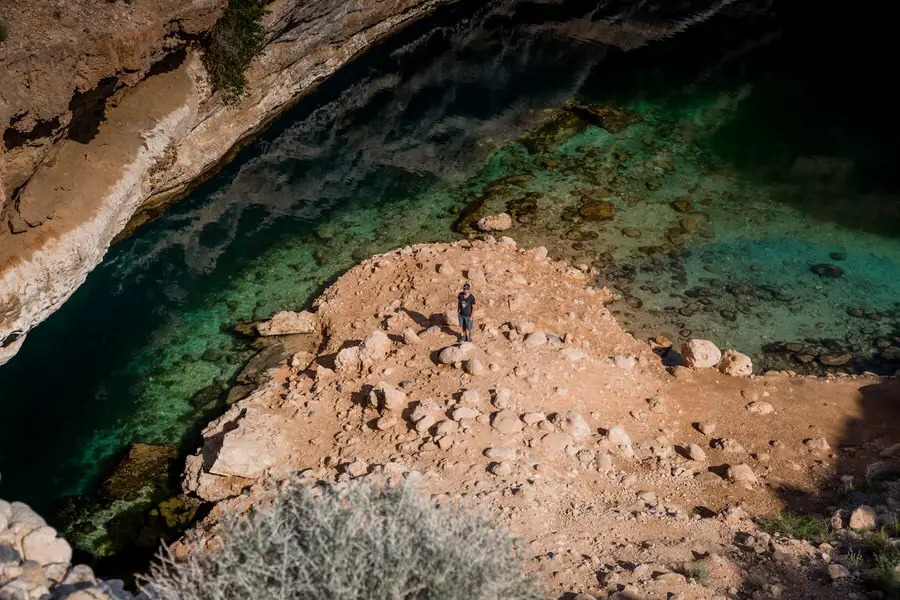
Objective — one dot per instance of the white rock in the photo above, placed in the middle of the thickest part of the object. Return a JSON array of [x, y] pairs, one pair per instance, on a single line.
[[470, 397], [539, 253], [502, 398], [502, 453], [735, 364], [506, 421], [695, 452], [386, 422], [535, 339], [556, 442], [617, 436], [456, 353], [464, 412], [817, 445], [574, 424], [500, 222], [374, 348], [410, 336], [700, 354], [760, 408], [425, 423], [347, 359], [392, 399], [473, 366], [287, 322], [533, 418], [863, 518], [706, 428], [446, 427], [500, 469], [728, 446], [43, 547], [626, 363], [574, 354], [741, 474]]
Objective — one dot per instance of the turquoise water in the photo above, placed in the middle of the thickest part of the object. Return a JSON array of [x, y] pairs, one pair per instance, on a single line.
[[776, 150]]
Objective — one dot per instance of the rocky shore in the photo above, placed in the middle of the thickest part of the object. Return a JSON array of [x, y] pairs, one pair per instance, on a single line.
[[623, 476]]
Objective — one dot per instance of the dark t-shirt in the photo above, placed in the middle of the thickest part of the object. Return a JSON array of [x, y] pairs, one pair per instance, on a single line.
[[466, 304]]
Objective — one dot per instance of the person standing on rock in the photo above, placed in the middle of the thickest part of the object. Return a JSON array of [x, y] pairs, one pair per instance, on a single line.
[[466, 312]]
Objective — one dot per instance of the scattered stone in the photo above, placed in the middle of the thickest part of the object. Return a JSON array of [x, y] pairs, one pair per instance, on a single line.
[[288, 323], [597, 210], [695, 452], [827, 270], [760, 408], [727, 445], [535, 339], [347, 359], [626, 363], [647, 496], [556, 442], [503, 398], [43, 547], [446, 269], [706, 428], [837, 571], [470, 397], [374, 348], [682, 204], [574, 424], [657, 405], [464, 412], [456, 353], [500, 469], [617, 436], [735, 364], [410, 336], [392, 399], [356, 468], [863, 518], [741, 474], [500, 222], [502, 453], [835, 360], [425, 423], [473, 366], [539, 253], [446, 427], [817, 445], [386, 422], [700, 354], [533, 418], [507, 422], [604, 462]]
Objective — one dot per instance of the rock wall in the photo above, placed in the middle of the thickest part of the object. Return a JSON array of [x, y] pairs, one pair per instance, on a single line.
[[102, 87]]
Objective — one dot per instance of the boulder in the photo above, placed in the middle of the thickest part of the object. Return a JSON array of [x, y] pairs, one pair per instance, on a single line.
[[456, 353], [500, 222], [347, 359], [617, 436], [535, 339], [863, 518], [473, 366], [760, 408], [741, 474], [464, 412], [287, 322], [507, 422], [410, 336], [574, 424], [836, 572], [392, 399], [695, 452], [700, 354], [735, 364], [556, 442], [43, 547], [374, 348], [254, 442]]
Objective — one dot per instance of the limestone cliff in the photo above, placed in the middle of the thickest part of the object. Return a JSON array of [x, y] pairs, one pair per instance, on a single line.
[[106, 108]]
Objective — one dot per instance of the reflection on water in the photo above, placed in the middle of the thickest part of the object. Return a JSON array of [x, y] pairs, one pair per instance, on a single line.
[[739, 176]]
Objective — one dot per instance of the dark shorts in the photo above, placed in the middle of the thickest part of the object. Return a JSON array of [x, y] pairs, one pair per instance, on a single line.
[[466, 323]]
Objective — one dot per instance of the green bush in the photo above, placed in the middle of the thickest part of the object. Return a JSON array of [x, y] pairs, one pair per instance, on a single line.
[[801, 527], [235, 40], [2, 32], [364, 542]]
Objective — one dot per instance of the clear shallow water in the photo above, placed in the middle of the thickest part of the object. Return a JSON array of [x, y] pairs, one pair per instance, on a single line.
[[783, 150]]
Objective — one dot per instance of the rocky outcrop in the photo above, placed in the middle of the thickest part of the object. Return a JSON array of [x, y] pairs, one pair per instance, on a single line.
[[71, 181], [35, 563]]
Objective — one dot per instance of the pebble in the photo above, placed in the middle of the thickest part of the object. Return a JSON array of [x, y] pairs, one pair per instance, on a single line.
[[626, 363], [827, 270], [657, 405], [556, 442], [446, 427], [502, 453], [817, 445], [470, 397], [741, 474], [392, 399], [535, 339], [706, 428], [727, 445], [410, 336], [502, 398], [533, 418], [386, 422], [574, 424], [473, 366], [647, 496], [500, 469], [464, 412]]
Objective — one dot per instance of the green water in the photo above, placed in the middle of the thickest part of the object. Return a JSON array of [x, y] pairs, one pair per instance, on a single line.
[[782, 150]]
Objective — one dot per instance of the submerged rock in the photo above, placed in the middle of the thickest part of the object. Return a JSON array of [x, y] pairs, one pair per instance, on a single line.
[[611, 118], [597, 210], [140, 465], [556, 126], [827, 270], [500, 222]]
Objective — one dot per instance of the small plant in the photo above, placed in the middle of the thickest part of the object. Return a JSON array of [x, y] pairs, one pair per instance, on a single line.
[[235, 40], [696, 571], [854, 561], [885, 576], [362, 542], [806, 527], [757, 580], [2, 32]]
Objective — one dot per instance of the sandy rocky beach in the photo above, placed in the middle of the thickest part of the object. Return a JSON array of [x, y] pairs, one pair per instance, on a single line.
[[622, 478]]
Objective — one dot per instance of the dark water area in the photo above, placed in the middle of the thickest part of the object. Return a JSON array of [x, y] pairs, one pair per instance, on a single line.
[[768, 123]]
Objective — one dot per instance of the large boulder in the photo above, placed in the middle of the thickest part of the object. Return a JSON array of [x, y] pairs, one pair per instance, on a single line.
[[287, 322], [700, 354], [500, 222], [735, 364], [456, 353], [43, 547]]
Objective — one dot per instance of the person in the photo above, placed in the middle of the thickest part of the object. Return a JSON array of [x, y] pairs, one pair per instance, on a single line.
[[466, 312]]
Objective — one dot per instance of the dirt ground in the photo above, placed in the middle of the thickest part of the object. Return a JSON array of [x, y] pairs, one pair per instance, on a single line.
[[527, 423]]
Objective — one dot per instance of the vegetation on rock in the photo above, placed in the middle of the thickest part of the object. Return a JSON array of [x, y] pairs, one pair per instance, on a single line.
[[235, 40], [358, 542], [2, 32]]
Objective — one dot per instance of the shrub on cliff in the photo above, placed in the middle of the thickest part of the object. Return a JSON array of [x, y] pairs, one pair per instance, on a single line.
[[235, 40], [364, 542], [2, 32]]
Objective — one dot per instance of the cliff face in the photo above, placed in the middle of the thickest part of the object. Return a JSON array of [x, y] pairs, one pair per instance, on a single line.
[[107, 108]]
